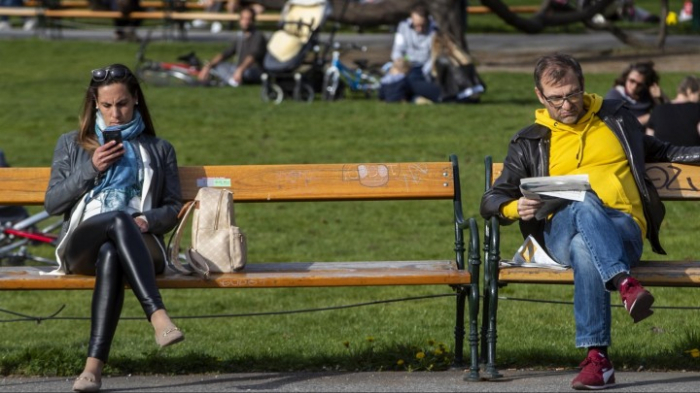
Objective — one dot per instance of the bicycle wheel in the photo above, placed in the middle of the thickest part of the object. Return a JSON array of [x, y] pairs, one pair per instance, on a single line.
[[306, 93], [159, 77], [22, 255], [332, 88], [370, 84], [273, 93]]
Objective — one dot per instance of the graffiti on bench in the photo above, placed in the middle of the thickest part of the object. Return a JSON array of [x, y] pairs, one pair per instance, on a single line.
[[674, 180]]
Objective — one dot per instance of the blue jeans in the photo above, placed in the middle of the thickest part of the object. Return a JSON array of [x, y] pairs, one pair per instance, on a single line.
[[419, 85], [225, 70], [598, 243]]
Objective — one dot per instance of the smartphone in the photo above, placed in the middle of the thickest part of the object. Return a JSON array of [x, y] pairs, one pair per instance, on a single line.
[[112, 136]]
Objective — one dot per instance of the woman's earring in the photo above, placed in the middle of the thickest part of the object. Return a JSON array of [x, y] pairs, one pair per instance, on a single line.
[[137, 103]]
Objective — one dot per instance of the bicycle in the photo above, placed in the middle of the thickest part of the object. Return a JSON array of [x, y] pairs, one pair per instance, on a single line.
[[339, 76], [17, 238], [185, 72]]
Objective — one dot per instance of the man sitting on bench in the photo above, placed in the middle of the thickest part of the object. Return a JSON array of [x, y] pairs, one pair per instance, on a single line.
[[601, 237]]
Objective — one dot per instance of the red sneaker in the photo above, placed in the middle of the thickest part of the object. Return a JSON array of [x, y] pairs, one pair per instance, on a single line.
[[636, 299], [596, 373]]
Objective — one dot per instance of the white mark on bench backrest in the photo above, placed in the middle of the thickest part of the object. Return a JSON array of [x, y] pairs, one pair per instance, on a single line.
[[373, 175], [370, 175], [414, 175], [417, 172]]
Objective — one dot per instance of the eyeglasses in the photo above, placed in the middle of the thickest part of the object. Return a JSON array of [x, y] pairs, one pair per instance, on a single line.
[[635, 82], [115, 73], [558, 102]]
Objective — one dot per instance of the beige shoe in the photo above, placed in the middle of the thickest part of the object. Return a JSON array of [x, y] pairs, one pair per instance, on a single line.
[[87, 382], [169, 336], [420, 100]]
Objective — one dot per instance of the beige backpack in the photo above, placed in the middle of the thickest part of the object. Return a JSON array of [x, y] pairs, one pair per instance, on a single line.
[[218, 245]]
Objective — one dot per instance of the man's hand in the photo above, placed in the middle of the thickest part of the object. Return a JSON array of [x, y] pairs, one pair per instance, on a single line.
[[528, 207]]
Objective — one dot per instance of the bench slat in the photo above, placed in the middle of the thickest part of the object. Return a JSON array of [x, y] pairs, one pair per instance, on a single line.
[[674, 182], [268, 275], [264, 183], [472, 9], [102, 14], [649, 273]]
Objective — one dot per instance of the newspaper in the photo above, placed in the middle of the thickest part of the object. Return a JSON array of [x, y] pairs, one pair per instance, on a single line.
[[531, 254], [554, 191]]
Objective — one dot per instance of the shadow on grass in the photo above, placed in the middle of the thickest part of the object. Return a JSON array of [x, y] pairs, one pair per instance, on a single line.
[[36, 360], [69, 361], [684, 355]]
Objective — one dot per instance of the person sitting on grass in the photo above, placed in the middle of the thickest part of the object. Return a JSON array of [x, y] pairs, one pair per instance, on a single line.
[[678, 121], [638, 87], [412, 43], [250, 45]]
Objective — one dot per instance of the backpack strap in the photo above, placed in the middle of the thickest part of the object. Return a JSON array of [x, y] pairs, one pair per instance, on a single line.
[[198, 263], [174, 241]]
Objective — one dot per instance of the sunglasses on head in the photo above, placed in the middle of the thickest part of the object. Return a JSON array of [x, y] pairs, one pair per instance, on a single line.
[[114, 73]]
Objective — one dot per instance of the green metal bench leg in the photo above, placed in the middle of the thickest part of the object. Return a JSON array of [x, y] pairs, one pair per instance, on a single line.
[[459, 327], [492, 300], [483, 350], [473, 291]]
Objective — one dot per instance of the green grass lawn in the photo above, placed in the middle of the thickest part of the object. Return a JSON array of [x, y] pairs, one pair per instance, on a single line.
[[41, 85]]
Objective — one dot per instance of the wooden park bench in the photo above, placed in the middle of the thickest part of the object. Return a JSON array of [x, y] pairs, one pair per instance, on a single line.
[[169, 13], [312, 183], [188, 10], [674, 182]]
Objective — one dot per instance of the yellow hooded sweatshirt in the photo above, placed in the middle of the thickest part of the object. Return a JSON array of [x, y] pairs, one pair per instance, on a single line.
[[590, 147]]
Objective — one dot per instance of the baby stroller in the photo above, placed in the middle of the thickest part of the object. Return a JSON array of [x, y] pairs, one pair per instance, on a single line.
[[294, 64]]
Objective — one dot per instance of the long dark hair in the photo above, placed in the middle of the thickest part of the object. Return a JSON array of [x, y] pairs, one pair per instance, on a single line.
[[86, 134], [646, 68]]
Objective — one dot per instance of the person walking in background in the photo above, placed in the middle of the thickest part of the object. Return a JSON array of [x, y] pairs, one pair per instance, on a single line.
[[118, 188], [601, 237], [639, 87], [250, 45], [678, 122]]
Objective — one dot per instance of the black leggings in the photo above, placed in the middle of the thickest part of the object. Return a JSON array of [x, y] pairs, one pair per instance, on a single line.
[[110, 246]]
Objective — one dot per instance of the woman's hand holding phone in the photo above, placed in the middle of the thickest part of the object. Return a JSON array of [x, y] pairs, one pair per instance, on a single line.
[[105, 155]]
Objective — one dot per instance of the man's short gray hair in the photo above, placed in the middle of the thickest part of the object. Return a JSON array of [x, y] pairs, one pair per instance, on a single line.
[[555, 67]]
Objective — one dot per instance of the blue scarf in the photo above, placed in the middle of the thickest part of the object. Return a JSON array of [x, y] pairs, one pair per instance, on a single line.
[[121, 182]]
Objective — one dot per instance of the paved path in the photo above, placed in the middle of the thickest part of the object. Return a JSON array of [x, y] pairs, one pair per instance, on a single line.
[[597, 52], [447, 381], [509, 43]]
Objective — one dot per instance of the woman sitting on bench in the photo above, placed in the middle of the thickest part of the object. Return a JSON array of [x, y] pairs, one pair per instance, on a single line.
[[117, 186]]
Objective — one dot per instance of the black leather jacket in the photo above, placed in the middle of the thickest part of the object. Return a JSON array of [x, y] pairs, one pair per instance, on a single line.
[[528, 156], [73, 175]]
